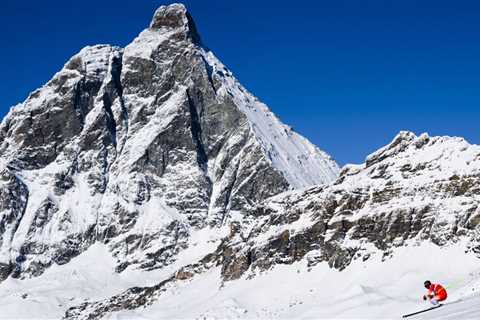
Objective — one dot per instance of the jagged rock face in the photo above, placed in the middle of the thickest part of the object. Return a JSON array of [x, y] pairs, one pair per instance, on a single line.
[[13, 201], [415, 189], [136, 147]]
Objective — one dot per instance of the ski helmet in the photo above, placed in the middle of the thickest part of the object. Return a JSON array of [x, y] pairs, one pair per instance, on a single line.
[[427, 284]]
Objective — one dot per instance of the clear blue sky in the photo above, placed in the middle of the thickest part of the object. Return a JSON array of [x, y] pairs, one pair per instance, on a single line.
[[346, 74]]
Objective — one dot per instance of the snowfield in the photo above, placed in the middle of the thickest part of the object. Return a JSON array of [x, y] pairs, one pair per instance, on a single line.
[[373, 289]]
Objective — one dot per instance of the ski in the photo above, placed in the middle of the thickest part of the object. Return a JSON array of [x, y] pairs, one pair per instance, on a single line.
[[421, 311]]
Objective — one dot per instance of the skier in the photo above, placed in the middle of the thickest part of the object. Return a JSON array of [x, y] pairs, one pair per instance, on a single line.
[[435, 294]]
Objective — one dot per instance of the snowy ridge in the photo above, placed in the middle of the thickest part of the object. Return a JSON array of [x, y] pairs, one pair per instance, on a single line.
[[418, 161], [301, 162]]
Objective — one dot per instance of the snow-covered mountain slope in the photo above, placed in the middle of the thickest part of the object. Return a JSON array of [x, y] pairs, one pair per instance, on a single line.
[[410, 213], [295, 291], [138, 148]]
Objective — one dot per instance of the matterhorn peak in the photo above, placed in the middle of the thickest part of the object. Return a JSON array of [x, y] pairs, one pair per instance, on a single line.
[[141, 147], [175, 16]]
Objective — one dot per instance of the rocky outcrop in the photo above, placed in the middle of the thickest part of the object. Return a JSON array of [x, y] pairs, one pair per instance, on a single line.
[[13, 203]]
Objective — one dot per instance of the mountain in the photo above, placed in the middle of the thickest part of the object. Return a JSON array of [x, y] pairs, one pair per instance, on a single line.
[[413, 190], [140, 148], [147, 183]]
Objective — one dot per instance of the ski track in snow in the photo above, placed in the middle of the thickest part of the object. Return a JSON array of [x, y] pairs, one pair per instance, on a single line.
[[465, 309]]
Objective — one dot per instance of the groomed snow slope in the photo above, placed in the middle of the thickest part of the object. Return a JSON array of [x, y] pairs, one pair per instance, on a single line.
[[286, 292]]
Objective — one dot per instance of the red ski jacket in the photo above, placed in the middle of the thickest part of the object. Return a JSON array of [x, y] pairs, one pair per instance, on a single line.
[[437, 291]]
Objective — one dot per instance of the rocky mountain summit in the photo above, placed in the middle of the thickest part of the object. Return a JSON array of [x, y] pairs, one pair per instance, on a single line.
[[155, 156], [138, 147]]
